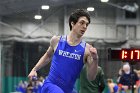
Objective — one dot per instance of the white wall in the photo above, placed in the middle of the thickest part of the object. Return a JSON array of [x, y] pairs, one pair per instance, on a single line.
[[138, 32]]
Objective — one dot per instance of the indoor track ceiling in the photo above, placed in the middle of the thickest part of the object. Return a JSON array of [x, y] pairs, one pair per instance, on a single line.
[[16, 6], [8, 7]]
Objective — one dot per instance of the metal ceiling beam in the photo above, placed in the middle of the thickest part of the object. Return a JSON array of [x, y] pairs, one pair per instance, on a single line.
[[12, 27]]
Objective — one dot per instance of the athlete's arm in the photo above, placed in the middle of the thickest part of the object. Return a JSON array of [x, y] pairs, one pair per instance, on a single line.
[[91, 61], [46, 58]]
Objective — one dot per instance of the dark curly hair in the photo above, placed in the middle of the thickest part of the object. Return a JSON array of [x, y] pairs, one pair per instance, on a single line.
[[77, 14]]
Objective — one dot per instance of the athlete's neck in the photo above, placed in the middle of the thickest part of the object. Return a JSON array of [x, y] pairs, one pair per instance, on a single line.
[[73, 39]]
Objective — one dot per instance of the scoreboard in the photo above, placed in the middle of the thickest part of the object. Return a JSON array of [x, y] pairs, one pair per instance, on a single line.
[[124, 54]]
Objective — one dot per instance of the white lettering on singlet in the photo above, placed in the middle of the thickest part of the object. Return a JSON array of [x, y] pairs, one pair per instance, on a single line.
[[69, 55]]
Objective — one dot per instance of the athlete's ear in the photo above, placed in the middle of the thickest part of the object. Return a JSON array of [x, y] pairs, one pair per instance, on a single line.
[[72, 23]]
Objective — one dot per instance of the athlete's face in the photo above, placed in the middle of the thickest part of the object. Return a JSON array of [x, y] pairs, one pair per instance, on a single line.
[[81, 26]]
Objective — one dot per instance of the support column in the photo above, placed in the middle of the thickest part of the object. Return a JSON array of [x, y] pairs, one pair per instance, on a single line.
[[65, 20], [0, 62], [0, 67], [127, 36], [26, 57]]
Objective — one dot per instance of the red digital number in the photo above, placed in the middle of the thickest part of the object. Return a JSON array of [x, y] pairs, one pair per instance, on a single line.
[[137, 54], [124, 54], [130, 54]]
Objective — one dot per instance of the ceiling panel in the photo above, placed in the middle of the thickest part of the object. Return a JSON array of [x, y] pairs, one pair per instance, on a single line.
[[8, 7]]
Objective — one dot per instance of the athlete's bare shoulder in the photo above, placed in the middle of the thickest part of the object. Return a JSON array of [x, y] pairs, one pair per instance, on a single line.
[[54, 41], [87, 52], [88, 46]]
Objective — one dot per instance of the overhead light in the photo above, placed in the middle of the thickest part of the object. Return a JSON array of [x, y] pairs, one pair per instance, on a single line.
[[90, 9], [104, 0], [45, 7], [38, 17]]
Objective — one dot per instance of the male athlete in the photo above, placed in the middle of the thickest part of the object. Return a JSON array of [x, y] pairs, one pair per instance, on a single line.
[[68, 53]]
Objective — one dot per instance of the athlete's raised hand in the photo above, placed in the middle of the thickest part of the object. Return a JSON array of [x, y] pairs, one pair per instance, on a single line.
[[32, 74], [93, 53]]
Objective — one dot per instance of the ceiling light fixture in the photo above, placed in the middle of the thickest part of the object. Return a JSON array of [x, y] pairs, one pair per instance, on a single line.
[[104, 0], [90, 9], [45, 7], [38, 17]]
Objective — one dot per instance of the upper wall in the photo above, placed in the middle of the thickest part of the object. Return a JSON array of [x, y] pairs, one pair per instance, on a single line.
[[24, 27], [103, 24]]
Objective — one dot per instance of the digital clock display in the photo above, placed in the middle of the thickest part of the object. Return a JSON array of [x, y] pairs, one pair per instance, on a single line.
[[125, 54], [130, 54]]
